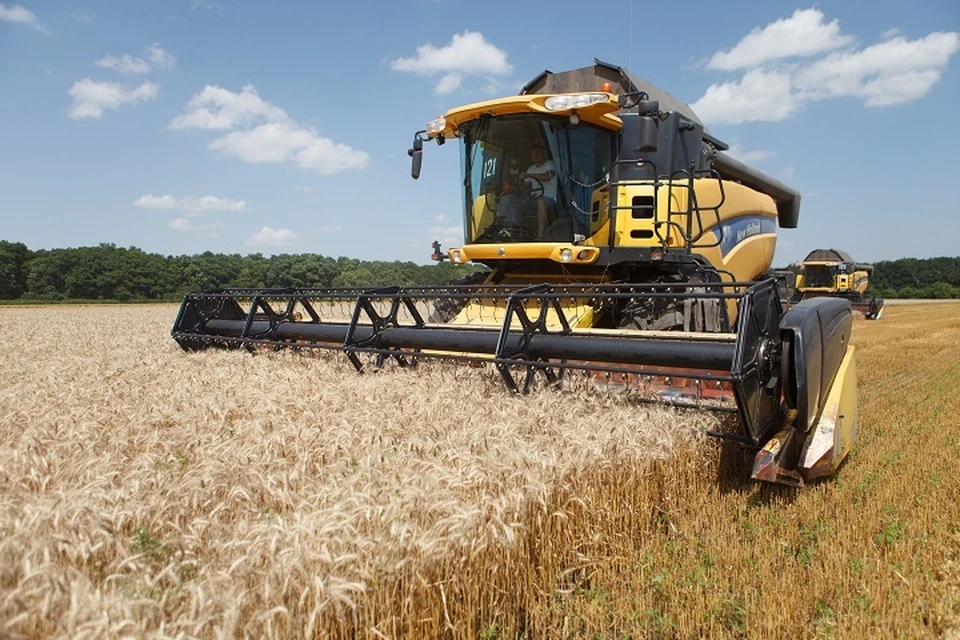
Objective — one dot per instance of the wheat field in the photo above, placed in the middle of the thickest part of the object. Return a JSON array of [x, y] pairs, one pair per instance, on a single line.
[[146, 492]]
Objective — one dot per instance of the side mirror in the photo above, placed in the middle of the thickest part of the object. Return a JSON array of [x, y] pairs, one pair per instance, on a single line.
[[648, 131], [416, 155], [649, 125], [648, 107]]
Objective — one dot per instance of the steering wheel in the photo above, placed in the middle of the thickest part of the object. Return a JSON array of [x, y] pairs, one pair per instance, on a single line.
[[492, 190], [491, 199], [536, 189]]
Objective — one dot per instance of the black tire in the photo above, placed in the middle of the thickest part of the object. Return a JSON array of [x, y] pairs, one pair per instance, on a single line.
[[446, 309], [666, 314]]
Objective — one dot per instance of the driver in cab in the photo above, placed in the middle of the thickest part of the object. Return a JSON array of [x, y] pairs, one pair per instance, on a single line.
[[540, 182]]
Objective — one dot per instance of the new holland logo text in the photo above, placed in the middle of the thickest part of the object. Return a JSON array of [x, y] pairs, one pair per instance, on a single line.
[[751, 229]]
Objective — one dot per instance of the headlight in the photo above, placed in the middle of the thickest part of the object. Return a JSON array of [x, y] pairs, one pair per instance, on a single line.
[[562, 103], [436, 126], [566, 255], [456, 257]]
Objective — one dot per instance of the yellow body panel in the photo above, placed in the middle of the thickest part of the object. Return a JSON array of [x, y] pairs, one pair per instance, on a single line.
[[833, 435], [748, 260], [482, 216], [637, 215], [530, 250], [579, 313], [661, 225], [492, 313], [599, 219], [601, 114]]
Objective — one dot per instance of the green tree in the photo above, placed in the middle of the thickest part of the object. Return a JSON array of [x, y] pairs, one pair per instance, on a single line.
[[14, 266], [360, 277], [253, 272], [908, 293], [940, 291], [48, 270], [912, 272]]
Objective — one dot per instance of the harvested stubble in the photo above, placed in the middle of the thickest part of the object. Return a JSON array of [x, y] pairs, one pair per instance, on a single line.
[[873, 553], [148, 492]]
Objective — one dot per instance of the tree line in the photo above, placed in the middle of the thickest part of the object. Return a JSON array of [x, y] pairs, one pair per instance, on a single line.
[[917, 278], [108, 272]]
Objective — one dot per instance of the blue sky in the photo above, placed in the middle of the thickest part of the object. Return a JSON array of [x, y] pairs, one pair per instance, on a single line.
[[238, 127]]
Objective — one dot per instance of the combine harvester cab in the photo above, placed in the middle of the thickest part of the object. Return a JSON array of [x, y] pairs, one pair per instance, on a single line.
[[833, 273], [623, 245]]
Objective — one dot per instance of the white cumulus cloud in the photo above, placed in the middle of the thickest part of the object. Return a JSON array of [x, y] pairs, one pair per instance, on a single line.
[[448, 235], [124, 64], [199, 205], [889, 33], [802, 34], [208, 5], [264, 133], [160, 58], [448, 84], [192, 226], [794, 61], [213, 203], [466, 54], [270, 237], [270, 142], [218, 108], [759, 96], [163, 203], [749, 156], [18, 14], [892, 72], [92, 98], [156, 57], [326, 156]]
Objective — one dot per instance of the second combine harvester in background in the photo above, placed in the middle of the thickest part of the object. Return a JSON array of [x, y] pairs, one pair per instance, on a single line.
[[831, 272], [622, 242]]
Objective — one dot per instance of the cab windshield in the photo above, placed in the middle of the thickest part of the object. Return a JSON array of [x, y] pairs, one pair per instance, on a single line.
[[531, 178], [820, 275]]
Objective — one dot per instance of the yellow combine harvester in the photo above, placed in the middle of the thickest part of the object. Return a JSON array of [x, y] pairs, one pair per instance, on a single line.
[[623, 244], [831, 272]]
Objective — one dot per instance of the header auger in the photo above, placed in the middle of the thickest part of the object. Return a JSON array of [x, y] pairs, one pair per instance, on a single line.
[[624, 246]]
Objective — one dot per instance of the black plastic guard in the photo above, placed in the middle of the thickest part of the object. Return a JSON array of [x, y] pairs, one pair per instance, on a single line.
[[814, 336], [756, 388]]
